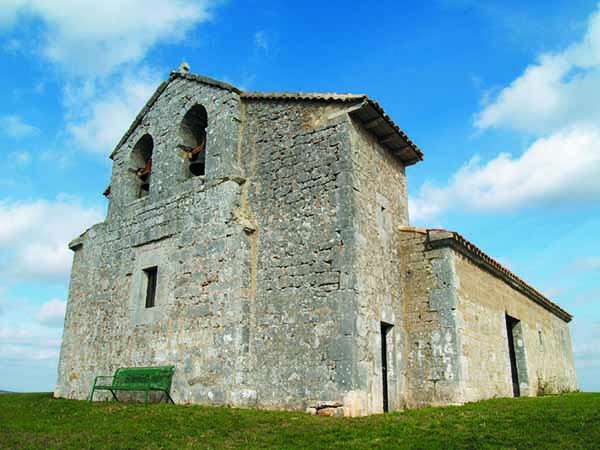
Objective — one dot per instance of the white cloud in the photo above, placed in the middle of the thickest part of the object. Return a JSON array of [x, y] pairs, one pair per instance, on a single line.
[[98, 122], [85, 37], [560, 168], [28, 343], [557, 100], [260, 40], [586, 351], [34, 237], [8, 12], [99, 49], [15, 127], [560, 88], [52, 313]]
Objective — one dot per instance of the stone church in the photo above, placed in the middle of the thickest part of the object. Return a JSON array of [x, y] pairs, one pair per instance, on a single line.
[[261, 244]]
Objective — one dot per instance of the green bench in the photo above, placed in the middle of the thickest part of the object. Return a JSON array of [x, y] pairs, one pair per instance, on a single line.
[[140, 379]]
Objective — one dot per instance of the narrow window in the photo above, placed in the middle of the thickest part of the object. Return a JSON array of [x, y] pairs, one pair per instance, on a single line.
[[151, 273], [540, 338], [193, 136]]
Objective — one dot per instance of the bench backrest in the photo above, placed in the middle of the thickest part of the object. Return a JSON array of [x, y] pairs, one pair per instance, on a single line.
[[156, 377]]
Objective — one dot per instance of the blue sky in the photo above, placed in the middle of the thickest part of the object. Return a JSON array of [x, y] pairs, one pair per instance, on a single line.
[[503, 97]]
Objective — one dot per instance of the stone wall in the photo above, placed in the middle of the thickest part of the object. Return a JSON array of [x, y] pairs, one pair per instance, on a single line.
[[380, 207], [200, 320], [544, 352], [295, 156], [256, 298], [431, 342], [195, 230], [456, 333]]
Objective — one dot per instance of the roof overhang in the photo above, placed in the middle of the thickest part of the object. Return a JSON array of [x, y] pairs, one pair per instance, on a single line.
[[375, 120], [363, 109]]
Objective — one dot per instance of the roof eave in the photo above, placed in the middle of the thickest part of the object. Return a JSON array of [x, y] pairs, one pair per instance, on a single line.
[[388, 133]]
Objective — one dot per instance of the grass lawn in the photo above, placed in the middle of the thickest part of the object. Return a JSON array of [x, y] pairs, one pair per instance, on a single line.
[[37, 421]]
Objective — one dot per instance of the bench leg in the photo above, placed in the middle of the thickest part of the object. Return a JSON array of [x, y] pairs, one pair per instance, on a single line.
[[92, 394], [114, 395], [167, 397]]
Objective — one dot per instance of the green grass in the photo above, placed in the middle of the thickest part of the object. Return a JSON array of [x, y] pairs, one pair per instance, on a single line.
[[38, 421]]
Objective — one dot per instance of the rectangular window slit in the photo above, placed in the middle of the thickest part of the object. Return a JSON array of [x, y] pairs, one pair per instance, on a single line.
[[151, 275]]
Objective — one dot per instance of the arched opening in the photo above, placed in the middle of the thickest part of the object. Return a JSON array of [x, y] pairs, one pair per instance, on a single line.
[[142, 162], [193, 135]]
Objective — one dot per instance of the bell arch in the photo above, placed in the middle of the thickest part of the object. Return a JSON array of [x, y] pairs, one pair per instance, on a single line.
[[192, 132], [141, 158]]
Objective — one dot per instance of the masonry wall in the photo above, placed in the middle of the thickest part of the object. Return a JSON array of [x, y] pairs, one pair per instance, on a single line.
[[380, 207], [295, 155], [197, 234], [432, 363], [544, 350], [456, 335], [276, 268], [200, 321]]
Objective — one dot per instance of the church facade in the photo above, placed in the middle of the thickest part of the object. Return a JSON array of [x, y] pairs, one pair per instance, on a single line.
[[260, 242]]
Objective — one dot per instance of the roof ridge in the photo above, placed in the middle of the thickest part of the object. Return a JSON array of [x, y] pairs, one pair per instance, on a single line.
[[369, 110], [203, 79], [301, 95]]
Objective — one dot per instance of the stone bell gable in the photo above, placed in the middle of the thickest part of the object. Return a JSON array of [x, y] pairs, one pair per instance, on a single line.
[[257, 242]]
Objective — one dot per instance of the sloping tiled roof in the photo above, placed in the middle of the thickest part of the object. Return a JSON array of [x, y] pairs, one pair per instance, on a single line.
[[437, 238], [367, 111]]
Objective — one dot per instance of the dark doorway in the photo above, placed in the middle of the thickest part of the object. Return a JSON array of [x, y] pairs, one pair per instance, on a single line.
[[385, 332], [511, 323]]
